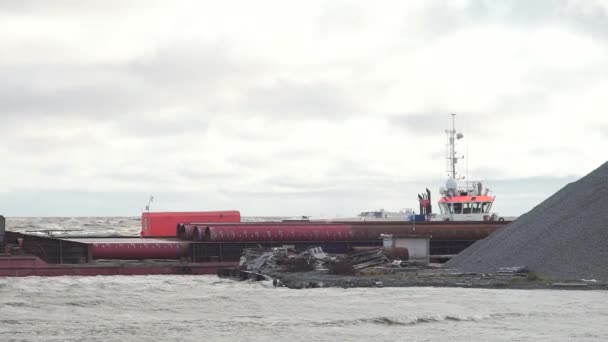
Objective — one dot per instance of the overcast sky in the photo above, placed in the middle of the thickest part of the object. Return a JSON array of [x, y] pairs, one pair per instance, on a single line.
[[279, 108]]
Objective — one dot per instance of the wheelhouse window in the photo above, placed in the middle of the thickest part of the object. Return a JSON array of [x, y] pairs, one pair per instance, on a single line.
[[457, 208], [486, 206]]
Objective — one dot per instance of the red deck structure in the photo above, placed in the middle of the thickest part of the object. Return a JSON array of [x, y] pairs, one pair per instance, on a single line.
[[163, 224]]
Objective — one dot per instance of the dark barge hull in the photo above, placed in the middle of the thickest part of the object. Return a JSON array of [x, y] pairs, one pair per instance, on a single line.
[[203, 258], [23, 266]]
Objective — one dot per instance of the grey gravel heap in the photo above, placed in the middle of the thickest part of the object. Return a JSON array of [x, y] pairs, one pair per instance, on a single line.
[[563, 238]]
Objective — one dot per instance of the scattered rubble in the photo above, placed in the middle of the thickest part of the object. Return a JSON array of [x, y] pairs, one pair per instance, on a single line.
[[514, 270], [290, 260], [313, 268]]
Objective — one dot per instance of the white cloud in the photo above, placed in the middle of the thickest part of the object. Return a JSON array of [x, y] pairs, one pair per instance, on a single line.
[[281, 108]]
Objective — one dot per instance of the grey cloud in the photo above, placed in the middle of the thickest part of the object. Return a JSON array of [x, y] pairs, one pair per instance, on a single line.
[[124, 176], [557, 81], [369, 184], [79, 101], [36, 145], [341, 174], [515, 196], [287, 100], [543, 85], [307, 194], [359, 171], [206, 66], [192, 81], [117, 90], [603, 130], [251, 161], [202, 175], [435, 123], [75, 91], [110, 203], [187, 77], [487, 172], [530, 184], [334, 188], [437, 155], [296, 185], [297, 152], [340, 16], [422, 123], [61, 6], [150, 127], [584, 16], [545, 151], [182, 80]]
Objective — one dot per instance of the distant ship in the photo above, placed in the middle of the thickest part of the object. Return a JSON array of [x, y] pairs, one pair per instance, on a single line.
[[462, 200]]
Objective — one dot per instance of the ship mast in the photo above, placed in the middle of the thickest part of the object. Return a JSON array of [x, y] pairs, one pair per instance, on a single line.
[[452, 158]]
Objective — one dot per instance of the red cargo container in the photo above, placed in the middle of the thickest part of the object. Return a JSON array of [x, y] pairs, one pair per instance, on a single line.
[[162, 224], [264, 232]]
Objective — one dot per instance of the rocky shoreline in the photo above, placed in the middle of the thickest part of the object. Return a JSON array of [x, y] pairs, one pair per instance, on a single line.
[[382, 267], [412, 277]]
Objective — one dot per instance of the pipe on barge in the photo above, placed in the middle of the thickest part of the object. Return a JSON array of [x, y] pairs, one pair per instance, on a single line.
[[260, 232], [186, 232], [314, 231], [134, 248]]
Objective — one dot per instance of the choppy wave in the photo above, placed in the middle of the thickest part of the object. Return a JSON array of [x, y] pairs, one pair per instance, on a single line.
[[406, 321], [89, 226], [195, 308]]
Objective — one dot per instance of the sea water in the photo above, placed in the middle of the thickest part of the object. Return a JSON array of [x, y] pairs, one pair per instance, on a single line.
[[206, 308]]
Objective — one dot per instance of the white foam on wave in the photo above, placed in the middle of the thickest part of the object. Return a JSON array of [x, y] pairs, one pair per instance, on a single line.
[[408, 320]]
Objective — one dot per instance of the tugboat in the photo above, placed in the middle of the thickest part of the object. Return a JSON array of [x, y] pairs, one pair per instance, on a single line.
[[461, 200]]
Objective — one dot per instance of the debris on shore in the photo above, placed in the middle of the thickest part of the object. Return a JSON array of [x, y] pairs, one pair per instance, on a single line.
[[315, 259], [373, 267]]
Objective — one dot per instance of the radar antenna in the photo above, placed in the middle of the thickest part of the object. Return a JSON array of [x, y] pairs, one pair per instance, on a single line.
[[452, 137]]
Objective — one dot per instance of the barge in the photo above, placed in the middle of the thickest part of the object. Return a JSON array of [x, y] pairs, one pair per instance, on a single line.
[[206, 247]]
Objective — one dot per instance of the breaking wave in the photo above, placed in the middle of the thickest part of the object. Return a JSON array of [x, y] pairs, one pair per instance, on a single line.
[[414, 320], [400, 320]]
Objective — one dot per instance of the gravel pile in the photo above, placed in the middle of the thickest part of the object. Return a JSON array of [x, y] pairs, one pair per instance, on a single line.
[[564, 238]]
